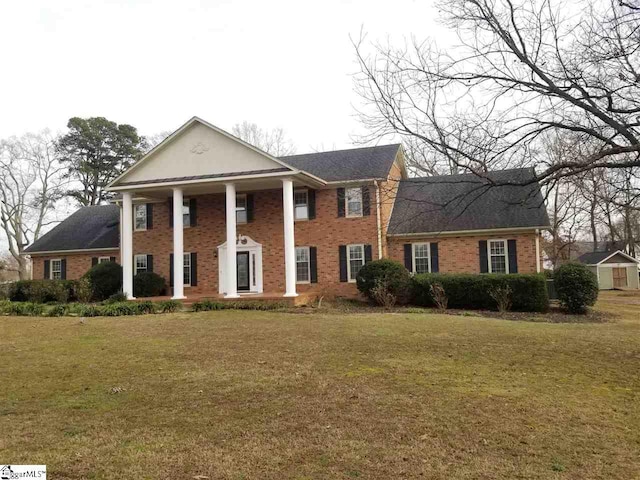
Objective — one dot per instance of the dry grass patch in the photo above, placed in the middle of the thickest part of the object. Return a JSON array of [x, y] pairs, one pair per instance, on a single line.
[[239, 394]]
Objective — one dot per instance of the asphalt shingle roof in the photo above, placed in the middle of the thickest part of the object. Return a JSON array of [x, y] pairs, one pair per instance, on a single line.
[[468, 202], [591, 258], [88, 228], [344, 165]]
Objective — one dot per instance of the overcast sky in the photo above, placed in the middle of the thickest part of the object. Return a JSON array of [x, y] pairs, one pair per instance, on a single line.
[[155, 64]]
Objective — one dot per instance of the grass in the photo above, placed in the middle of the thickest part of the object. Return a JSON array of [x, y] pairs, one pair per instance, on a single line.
[[244, 395]]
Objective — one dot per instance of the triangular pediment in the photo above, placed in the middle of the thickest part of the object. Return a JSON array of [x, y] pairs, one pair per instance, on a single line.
[[199, 149]]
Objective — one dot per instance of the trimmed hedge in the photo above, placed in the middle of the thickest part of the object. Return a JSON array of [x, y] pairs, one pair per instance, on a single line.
[[577, 287], [117, 309], [105, 279], [41, 291], [471, 291], [148, 284], [392, 274], [210, 305]]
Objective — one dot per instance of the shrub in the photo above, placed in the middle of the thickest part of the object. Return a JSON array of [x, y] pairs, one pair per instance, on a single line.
[[145, 307], [119, 309], [89, 311], [104, 279], [148, 284], [39, 291], [471, 291], [387, 272], [82, 290], [381, 294], [439, 296], [25, 309], [207, 305], [577, 287], [502, 296], [116, 298], [169, 306], [57, 311]]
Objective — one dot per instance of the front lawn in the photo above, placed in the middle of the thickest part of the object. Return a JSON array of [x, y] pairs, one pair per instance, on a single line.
[[244, 395]]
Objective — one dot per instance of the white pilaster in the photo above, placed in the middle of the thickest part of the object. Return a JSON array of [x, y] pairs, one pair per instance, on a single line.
[[126, 248], [231, 276], [178, 246], [289, 240]]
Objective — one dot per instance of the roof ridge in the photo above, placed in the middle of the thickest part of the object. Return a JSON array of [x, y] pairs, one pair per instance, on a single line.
[[466, 174], [342, 150]]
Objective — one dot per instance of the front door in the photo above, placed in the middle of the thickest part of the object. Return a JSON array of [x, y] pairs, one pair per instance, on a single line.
[[619, 277], [242, 263]]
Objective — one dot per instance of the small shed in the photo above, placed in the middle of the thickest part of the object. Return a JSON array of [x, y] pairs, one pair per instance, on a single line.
[[614, 269]]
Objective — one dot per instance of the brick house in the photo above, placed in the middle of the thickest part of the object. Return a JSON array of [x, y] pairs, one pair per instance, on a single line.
[[205, 203]]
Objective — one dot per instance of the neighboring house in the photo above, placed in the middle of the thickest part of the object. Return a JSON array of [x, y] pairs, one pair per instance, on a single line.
[[205, 203], [614, 269]]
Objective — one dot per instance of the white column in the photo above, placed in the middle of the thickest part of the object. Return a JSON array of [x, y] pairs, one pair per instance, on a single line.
[[178, 246], [289, 240], [126, 247], [231, 274]]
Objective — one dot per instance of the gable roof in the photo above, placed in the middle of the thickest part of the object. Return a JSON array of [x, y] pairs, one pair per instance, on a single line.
[[96, 227], [595, 258], [457, 203], [347, 165]]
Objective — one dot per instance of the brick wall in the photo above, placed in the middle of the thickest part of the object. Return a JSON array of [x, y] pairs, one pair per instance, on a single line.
[[461, 255], [77, 264]]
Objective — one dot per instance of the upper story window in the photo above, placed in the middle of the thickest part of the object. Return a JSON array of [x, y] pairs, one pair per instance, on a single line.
[[355, 261], [353, 201], [421, 258], [56, 269], [303, 265], [241, 208], [186, 213], [140, 216], [301, 204], [498, 256], [104, 259], [141, 263]]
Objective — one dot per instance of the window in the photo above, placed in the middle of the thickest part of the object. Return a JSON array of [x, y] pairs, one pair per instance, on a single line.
[[140, 216], [498, 259], [241, 208], [353, 201], [301, 204], [186, 213], [141, 263], [303, 265], [186, 277], [355, 260], [104, 259], [421, 258], [56, 269]]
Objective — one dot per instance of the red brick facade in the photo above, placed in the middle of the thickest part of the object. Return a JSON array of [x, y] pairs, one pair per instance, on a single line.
[[77, 263]]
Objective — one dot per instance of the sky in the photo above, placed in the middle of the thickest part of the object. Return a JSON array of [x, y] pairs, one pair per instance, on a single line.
[[155, 64]]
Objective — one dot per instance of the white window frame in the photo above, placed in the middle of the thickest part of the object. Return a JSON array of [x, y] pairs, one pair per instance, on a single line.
[[506, 254], [104, 260], [306, 204], [308, 250], [413, 256], [135, 217], [348, 213], [186, 204], [364, 261], [51, 271], [242, 209], [186, 263], [135, 263]]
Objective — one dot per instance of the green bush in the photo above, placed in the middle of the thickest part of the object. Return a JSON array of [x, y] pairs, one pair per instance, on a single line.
[[40, 291], [116, 298], [471, 291], [89, 310], [388, 273], [104, 279], [24, 309], [145, 307], [577, 287], [207, 305], [81, 290], [122, 309], [57, 311], [148, 284], [169, 306]]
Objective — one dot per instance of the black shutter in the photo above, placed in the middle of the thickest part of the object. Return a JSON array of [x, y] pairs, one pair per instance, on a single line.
[[171, 269], [408, 257], [249, 207], [366, 201], [343, 263], [367, 254], [194, 269], [513, 256], [63, 269], [313, 264], [341, 203], [149, 263], [311, 196], [112, 259], [47, 269], [435, 267], [149, 216], [484, 261], [94, 261], [193, 213], [171, 212]]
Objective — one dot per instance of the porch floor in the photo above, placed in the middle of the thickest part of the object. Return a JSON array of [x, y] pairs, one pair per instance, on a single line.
[[301, 299]]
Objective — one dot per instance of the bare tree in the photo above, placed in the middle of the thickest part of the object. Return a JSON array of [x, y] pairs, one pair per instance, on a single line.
[[31, 181], [274, 142], [152, 141]]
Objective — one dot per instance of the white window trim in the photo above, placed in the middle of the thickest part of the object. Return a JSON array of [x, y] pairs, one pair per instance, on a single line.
[[104, 260], [364, 261], [239, 195], [346, 203], [186, 202], [302, 282], [506, 254], [146, 221], [51, 268], [413, 256], [186, 255], [306, 192], [135, 263]]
